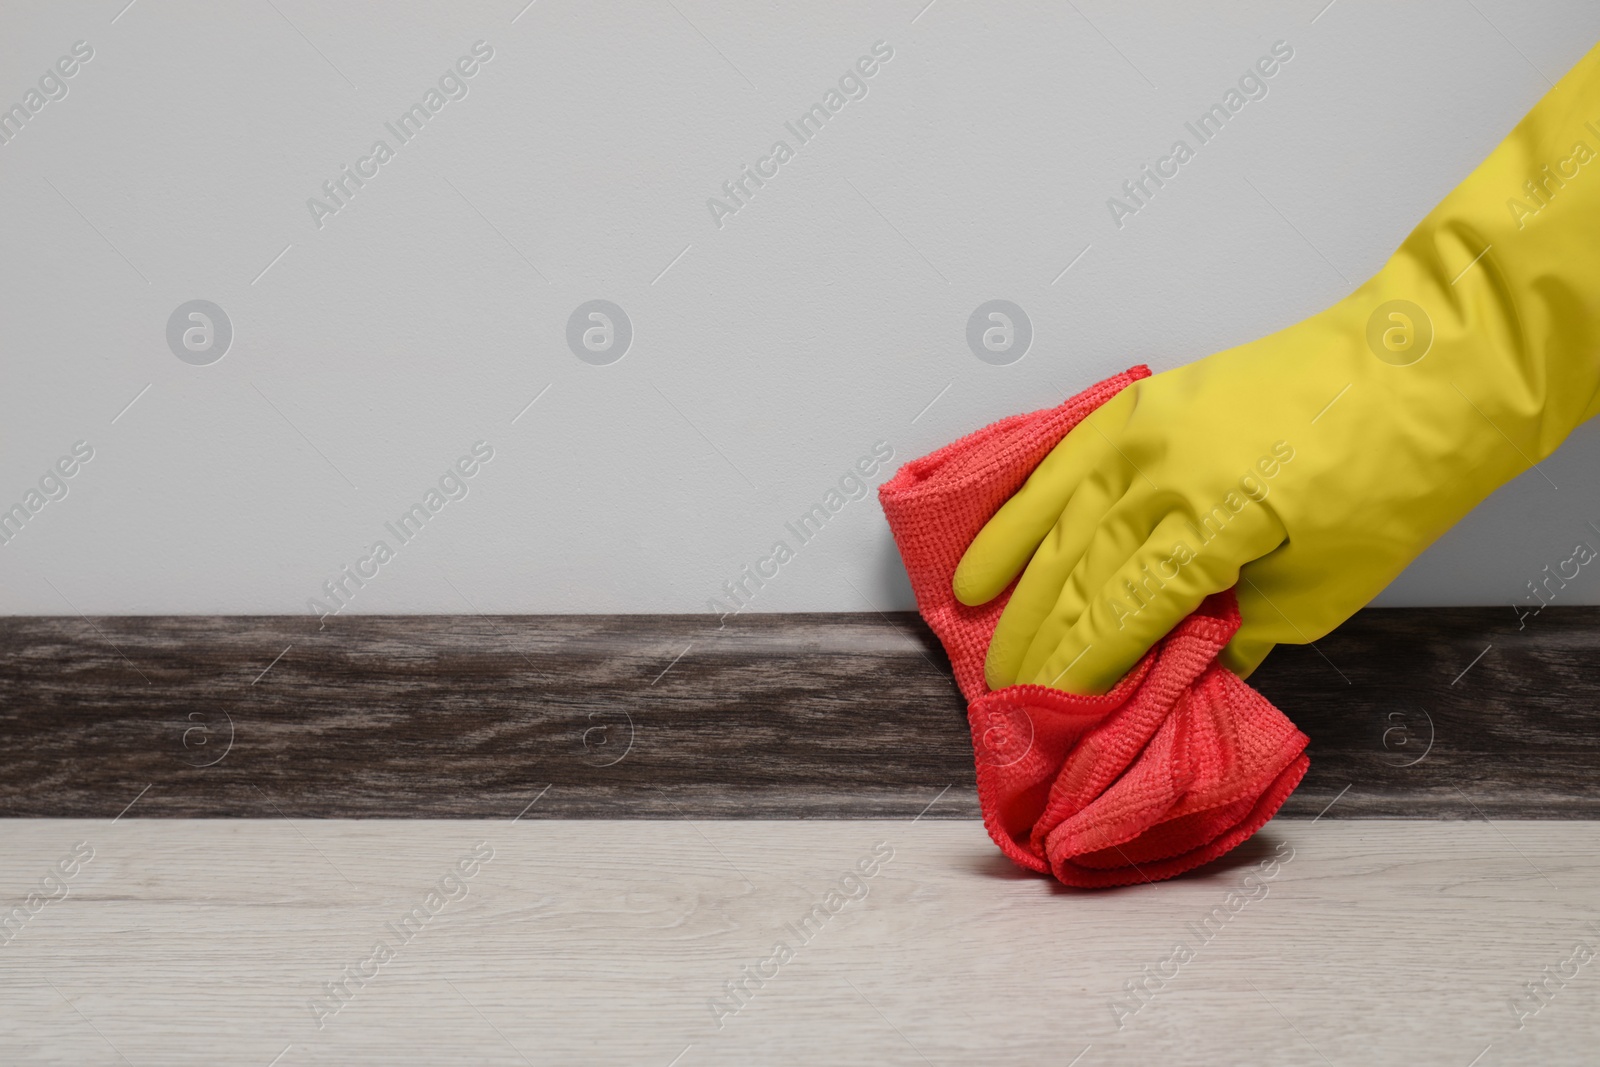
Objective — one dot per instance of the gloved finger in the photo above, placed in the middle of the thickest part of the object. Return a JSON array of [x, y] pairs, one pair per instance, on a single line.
[[1007, 541], [1118, 627], [1242, 655], [1278, 605], [1040, 587], [1123, 531]]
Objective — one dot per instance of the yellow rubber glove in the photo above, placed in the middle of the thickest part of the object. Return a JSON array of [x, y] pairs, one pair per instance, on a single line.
[[1311, 466]]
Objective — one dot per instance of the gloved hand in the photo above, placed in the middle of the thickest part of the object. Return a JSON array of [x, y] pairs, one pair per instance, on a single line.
[[1311, 466]]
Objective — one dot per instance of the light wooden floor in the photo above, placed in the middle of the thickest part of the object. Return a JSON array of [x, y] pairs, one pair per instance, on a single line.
[[203, 942]]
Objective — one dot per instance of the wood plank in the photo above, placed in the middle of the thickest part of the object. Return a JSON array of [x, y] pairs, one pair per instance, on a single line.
[[1513, 716], [771, 716], [459, 716], [205, 942]]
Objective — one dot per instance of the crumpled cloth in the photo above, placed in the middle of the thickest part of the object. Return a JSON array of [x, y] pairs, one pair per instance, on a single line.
[[1179, 763]]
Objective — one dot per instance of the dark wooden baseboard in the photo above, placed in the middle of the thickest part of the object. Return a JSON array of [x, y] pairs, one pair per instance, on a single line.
[[770, 716]]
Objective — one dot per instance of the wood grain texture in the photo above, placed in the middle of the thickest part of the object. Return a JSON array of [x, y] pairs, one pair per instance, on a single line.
[[461, 716], [771, 716], [590, 943], [1509, 718]]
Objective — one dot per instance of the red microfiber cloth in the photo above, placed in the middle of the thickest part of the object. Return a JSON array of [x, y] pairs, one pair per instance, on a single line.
[[1179, 763]]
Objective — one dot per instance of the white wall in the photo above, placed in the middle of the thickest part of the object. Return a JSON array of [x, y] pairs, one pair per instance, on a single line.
[[769, 354]]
